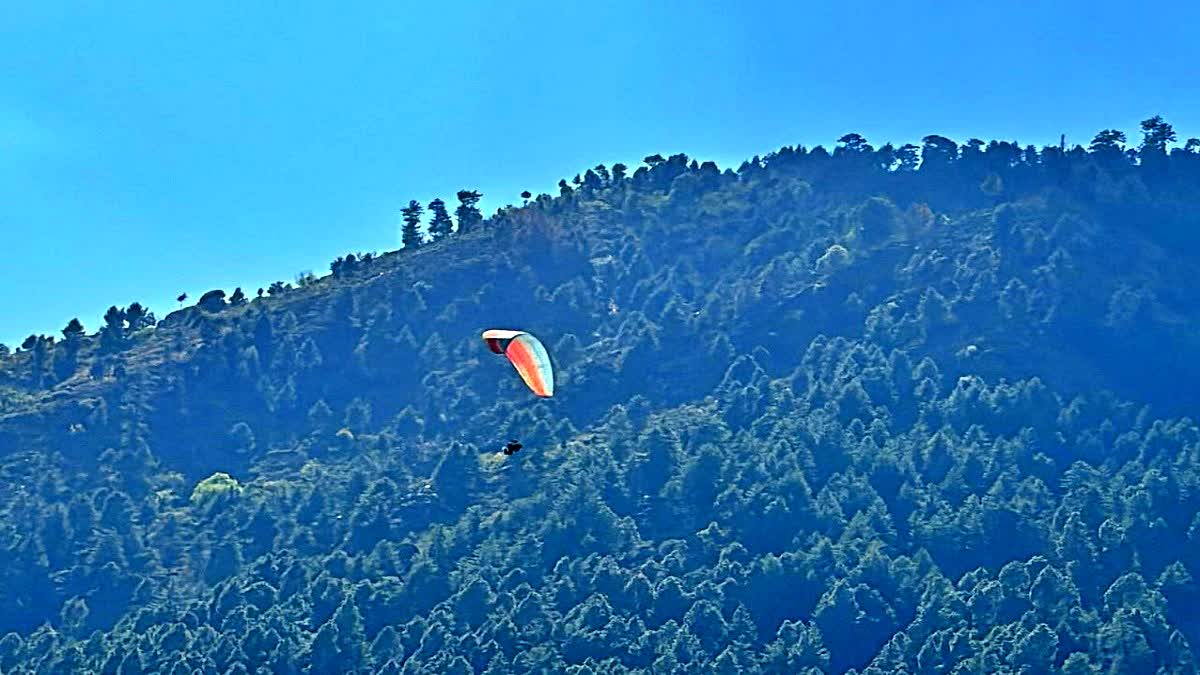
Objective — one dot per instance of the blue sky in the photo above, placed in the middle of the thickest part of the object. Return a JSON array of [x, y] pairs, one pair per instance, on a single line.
[[158, 148]]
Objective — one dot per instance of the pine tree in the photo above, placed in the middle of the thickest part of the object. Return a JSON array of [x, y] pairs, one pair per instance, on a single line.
[[1156, 134], [351, 638], [38, 347], [112, 335], [73, 331], [440, 225], [410, 235], [138, 317], [73, 339], [467, 212], [327, 656]]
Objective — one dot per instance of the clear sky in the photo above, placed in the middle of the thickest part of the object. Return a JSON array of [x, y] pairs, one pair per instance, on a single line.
[[150, 148]]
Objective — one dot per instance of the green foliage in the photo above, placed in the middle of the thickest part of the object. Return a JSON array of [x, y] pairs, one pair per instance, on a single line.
[[73, 331], [212, 301], [872, 409], [138, 317], [217, 486], [467, 212], [1156, 134], [410, 234], [440, 224], [112, 335]]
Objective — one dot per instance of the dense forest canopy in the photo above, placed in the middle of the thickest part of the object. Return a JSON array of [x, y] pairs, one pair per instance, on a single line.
[[894, 409]]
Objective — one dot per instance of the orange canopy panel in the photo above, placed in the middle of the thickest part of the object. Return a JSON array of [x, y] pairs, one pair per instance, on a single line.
[[528, 356]]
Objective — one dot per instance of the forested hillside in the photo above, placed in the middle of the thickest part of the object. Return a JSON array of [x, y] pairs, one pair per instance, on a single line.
[[885, 410]]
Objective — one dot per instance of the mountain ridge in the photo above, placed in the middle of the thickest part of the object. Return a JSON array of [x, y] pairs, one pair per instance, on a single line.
[[824, 412]]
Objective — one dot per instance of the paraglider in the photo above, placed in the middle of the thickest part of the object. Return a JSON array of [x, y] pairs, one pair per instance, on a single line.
[[527, 355], [532, 362]]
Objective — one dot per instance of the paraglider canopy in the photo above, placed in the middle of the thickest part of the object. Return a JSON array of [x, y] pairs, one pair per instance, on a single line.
[[495, 337], [527, 355]]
